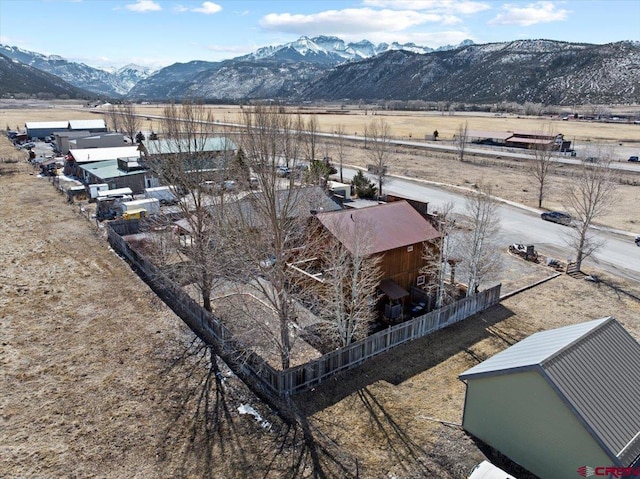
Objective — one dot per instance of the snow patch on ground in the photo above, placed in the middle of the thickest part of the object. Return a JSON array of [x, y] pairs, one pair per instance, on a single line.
[[246, 409]]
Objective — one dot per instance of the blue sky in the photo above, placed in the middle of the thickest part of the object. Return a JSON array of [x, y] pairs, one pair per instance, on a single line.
[[157, 33]]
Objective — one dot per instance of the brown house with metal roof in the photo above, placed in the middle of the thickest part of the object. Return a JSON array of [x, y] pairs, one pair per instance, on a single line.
[[397, 233]]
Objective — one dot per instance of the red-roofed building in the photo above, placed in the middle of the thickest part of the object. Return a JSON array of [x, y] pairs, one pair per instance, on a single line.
[[397, 232]]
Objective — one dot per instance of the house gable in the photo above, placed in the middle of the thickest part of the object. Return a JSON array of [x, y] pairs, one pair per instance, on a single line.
[[394, 225], [521, 416]]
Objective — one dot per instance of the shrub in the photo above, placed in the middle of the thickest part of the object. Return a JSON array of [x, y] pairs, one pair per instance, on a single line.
[[364, 187]]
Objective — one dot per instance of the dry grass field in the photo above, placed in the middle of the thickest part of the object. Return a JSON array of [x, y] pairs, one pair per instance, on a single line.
[[509, 179], [404, 125], [100, 379]]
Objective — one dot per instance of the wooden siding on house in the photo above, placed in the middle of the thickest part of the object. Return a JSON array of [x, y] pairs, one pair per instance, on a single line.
[[403, 266]]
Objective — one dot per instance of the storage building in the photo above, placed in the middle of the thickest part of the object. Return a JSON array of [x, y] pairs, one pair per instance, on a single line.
[[92, 126], [561, 400], [76, 158], [40, 129], [119, 173], [104, 140]]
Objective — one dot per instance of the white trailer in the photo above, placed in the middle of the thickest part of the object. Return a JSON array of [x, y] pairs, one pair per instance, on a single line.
[[96, 188], [341, 189], [163, 193], [116, 193], [152, 205]]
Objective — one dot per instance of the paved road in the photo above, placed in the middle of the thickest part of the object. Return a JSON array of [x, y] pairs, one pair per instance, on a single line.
[[618, 162], [620, 155], [520, 224]]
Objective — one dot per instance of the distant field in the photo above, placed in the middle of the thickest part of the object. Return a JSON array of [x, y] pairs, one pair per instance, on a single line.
[[415, 125], [510, 180], [418, 125]]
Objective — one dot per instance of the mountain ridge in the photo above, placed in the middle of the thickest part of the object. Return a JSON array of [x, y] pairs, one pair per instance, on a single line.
[[326, 68], [540, 71], [115, 83], [17, 78]]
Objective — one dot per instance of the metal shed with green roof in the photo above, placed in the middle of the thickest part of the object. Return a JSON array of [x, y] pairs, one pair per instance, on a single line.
[[560, 400], [113, 173]]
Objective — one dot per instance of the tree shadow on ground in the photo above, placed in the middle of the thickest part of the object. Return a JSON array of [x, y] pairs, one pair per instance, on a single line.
[[408, 360], [201, 421], [206, 437], [617, 288], [408, 454]]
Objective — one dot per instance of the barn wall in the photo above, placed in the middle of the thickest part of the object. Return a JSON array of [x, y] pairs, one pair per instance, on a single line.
[[520, 415]]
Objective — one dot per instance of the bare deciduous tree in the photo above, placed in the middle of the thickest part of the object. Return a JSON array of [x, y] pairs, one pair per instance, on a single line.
[[543, 164], [350, 277], [263, 228], [378, 132], [439, 254], [590, 195], [461, 139], [340, 145], [479, 251], [184, 161], [113, 118], [129, 120], [311, 138]]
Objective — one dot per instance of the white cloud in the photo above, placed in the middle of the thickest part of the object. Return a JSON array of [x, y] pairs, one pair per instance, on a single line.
[[144, 6], [208, 8], [351, 21], [464, 7], [539, 12]]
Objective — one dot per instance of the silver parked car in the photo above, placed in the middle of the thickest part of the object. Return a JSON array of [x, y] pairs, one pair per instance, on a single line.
[[557, 217]]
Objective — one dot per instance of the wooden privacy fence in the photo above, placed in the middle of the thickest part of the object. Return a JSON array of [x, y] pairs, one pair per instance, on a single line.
[[242, 361], [299, 378], [248, 365]]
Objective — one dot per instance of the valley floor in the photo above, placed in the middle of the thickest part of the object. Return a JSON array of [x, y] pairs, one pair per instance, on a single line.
[[100, 379]]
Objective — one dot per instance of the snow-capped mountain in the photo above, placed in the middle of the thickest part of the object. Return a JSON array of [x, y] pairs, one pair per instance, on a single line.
[[129, 75], [102, 82], [329, 49], [539, 71], [16, 78], [327, 68]]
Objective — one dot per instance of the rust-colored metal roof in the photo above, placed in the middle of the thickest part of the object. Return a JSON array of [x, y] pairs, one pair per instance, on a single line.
[[539, 141], [380, 228], [494, 135]]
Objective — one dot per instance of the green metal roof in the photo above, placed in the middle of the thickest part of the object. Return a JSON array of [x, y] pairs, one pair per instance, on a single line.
[[164, 147], [108, 169]]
